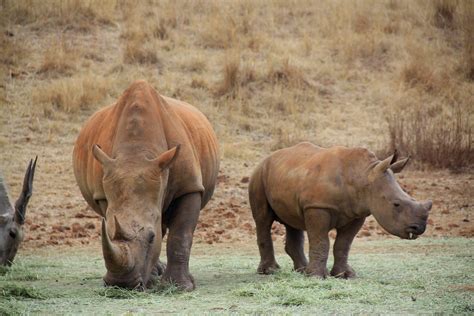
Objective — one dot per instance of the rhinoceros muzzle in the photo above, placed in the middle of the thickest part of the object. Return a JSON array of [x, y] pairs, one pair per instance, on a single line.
[[415, 230], [134, 283]]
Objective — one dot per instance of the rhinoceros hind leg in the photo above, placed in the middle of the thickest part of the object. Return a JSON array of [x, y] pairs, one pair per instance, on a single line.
[[294, 247], [264, 218], [317, 222], [342, 246], [180, 238], [268, 264]]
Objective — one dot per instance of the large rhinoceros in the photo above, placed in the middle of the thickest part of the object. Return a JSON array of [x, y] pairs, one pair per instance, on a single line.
[[147, 163], [316, 189], [13, 218]]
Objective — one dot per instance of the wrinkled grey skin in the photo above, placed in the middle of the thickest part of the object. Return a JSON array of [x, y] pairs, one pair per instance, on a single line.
[[12, 217]]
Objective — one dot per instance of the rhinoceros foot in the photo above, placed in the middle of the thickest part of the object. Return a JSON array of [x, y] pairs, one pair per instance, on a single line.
[[160, 268], [300, 269], [268, 267], [157, 271], [184, 282], [318, 272], [344, 272]]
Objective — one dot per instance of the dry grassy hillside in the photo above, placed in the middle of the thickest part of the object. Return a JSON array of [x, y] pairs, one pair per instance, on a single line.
[[266, 73]]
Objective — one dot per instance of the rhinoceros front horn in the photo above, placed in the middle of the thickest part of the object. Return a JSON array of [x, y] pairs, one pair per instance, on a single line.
[[116, 257]]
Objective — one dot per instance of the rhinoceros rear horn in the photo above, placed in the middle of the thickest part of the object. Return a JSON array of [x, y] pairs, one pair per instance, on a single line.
[[26, 192], [116, 257], [101, 156], [120, 233]]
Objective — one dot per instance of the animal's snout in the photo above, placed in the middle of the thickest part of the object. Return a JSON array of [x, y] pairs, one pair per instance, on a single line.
[[417, 229], [128, 282]]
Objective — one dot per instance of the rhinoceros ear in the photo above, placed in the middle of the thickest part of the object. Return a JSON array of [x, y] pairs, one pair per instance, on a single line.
[[399, 165], [379, 168], [101, 156], [165, 160], [394, 157]]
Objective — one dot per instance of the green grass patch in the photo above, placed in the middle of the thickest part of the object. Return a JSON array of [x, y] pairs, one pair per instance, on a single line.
[[20, 291], [118, 293], [394, 276]]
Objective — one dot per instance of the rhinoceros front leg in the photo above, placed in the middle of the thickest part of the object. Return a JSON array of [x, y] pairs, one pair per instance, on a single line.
[[180, 238], [317, 222], [160, 266], [344, 238]]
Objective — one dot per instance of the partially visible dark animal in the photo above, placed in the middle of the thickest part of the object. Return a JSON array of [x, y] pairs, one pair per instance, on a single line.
[[13, 218], [316, 189]]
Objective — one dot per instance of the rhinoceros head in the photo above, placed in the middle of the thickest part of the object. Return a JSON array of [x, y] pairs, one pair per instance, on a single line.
[[13, 218], [393, 208], [131, 232]]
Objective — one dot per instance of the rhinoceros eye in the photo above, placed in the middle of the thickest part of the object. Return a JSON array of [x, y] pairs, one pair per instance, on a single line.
[[12, 234], [396, 204]]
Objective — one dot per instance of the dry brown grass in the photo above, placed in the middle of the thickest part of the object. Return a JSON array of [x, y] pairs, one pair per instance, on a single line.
[[266, 73], [140, 30], [71, 94], [234, 76], [468, 37], [284, 73], [141, 52], [12, 50], [435, 137], [419, 74], [81, 15], [59, 59], [445, 13]]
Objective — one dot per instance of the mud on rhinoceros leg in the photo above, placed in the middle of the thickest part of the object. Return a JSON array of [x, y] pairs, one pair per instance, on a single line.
[[180, 238], [317, 222], [342, 246], [294, 247]]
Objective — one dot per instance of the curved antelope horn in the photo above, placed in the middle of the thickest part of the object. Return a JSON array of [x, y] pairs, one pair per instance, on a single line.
[[26, 192], [116, 257]]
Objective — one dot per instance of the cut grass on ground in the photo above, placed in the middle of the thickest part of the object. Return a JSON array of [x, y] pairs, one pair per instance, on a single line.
[[427, 275]]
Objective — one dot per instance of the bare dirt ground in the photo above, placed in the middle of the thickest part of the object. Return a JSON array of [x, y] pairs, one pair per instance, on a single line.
[[328, 73]]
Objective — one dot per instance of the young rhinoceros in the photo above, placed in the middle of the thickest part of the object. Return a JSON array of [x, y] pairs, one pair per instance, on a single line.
[[11, 221], [316, 189]]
